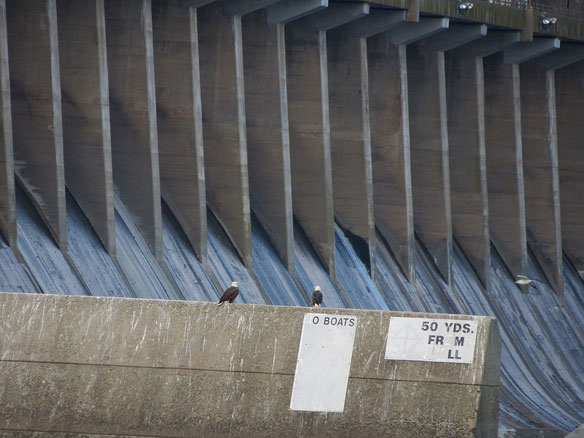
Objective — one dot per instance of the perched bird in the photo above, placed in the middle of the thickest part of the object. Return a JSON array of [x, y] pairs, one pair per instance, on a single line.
[[522, 280], [316, 297], [230, 293]]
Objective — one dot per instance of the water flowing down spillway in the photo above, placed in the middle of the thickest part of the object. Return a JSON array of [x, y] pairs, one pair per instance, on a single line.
[[542, 382]]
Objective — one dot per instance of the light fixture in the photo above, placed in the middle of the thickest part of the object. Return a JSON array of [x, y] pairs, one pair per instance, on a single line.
[[548, 21], [463, 6]]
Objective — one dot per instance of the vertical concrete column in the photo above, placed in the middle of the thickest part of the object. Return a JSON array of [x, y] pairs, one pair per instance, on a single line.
[[390, 144], [570, 107], [133, 114], [505, 162], [224, 130], [268, 137], [7, 196], [179, 118], [86, 115], [351, 137], [310, 149], [36, 108], [468, 170], [540, 164], [429, 153]]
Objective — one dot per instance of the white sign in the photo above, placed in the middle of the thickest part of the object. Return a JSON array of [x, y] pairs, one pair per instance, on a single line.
[[323, 364], [432, 340]]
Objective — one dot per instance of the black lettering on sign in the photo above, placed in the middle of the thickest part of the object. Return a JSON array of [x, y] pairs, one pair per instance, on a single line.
[[436, 339], [459, 340], [455, 356], [466, 328], [427, 325], [335, 320]]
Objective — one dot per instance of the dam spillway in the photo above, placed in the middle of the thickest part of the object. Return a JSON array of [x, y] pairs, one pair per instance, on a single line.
[[402, 155]]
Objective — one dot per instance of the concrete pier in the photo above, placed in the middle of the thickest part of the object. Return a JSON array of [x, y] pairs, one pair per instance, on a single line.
[[224, 124], [429, 153], [103, 366], [465, 89], [179, 119], [86, 126], [540, 163], [505, 162], [268, 136], [570, 103], [310, 147], [133, 114], [7, 197], [351, 137], [36, 109], [390, 144]]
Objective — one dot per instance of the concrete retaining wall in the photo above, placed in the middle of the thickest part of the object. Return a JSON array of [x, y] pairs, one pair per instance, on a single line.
[[130, 367]]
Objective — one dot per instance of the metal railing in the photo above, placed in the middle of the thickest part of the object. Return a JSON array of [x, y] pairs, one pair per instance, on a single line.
[[561, 8]]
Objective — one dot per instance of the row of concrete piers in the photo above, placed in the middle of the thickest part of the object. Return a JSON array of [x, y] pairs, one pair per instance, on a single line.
[[384, 117]]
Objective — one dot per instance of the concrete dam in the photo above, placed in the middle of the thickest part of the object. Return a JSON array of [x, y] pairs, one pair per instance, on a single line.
[[404, 155]]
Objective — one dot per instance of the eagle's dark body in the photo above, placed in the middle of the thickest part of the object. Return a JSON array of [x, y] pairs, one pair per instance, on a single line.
[[316, 298], [230, 293]]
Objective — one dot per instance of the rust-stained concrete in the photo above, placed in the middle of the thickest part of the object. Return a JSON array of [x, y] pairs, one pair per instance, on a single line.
[[132, 367]]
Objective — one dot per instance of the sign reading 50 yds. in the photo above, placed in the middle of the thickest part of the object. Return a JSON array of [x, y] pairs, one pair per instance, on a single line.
[[432, 340]]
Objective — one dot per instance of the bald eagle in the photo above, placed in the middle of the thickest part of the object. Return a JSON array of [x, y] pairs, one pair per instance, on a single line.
[[316, 297], [230, 293]]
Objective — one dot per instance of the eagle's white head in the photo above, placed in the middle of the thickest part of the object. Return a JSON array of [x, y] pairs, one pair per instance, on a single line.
[[316, 288], [235, 284]]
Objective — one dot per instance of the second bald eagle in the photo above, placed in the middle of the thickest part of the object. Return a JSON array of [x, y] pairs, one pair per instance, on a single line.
[[316, 297]]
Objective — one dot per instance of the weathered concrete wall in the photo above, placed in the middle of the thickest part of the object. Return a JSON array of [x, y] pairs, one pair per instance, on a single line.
[[35, 91], [86, 112], [124, 367]]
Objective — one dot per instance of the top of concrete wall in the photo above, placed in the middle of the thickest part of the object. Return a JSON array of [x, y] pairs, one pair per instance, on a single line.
[[237, 337]]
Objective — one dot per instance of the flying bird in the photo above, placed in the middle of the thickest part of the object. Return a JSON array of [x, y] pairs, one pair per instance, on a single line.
[[523, 280], [230, 293], [316, 297]]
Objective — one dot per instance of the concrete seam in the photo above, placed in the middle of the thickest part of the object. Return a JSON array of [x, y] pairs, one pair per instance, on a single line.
[[235, 371], [89, 434]]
